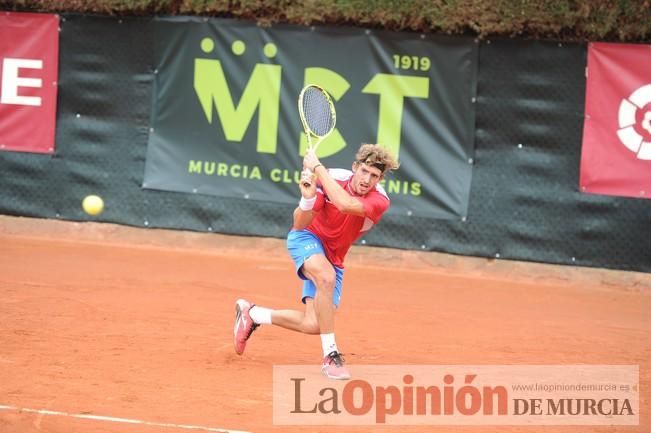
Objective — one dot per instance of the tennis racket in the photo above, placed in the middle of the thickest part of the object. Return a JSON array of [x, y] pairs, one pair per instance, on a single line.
[[317, 112]]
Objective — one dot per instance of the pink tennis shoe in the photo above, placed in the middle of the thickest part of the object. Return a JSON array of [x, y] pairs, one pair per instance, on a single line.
[[244, 325], [333, 366]]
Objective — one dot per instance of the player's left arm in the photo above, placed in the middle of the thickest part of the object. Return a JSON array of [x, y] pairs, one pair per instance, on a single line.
[[304, 213]]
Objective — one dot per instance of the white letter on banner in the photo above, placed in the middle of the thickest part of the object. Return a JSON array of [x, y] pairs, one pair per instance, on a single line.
[[11, 81]]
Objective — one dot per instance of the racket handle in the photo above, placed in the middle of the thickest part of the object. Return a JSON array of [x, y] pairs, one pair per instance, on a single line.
[[311, 147]]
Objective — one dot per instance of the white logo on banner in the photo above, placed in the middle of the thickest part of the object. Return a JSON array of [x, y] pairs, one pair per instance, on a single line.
[[11, 81], [640, 99]]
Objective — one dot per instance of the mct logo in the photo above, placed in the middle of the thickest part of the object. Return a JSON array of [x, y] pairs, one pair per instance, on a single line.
[[263, 89], [28, 81]]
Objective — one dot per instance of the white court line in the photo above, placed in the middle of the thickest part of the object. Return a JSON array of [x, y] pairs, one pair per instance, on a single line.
[[121, 420]]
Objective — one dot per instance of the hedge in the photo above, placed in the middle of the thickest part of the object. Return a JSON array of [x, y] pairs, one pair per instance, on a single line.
[[578, 20]]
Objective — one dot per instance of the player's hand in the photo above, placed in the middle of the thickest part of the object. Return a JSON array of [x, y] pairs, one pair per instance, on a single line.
[[307, 184], [310, 159]]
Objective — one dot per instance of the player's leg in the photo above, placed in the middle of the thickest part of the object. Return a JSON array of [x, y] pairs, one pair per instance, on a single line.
[[301, 321], [307, 321], [249, 317], [301, 244], [303, 247], [320, 271], [321, 294], [328, 281]]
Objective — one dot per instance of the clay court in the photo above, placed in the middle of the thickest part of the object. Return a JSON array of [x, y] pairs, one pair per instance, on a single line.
[[116, 329]]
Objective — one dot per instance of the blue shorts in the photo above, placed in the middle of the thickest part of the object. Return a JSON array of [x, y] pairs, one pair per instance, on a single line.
[[302, 245]]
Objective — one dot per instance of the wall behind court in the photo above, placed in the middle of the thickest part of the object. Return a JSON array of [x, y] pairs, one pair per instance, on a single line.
[[524, 201]]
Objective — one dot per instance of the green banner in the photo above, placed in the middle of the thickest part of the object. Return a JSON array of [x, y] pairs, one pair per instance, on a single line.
[[225, 120]]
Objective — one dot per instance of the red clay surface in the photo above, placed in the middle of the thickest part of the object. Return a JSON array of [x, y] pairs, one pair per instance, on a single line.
[[137, 324]]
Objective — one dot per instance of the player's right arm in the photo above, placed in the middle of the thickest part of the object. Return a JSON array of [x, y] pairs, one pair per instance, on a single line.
[[343, 201]]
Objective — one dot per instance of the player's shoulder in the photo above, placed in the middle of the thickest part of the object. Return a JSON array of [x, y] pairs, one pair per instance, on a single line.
[[379, 189]]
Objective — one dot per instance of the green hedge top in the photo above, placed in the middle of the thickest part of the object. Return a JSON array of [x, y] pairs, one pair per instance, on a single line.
[[579, 20]]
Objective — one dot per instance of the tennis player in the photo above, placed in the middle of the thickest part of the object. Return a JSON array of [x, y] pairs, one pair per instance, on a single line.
[[336, 207]]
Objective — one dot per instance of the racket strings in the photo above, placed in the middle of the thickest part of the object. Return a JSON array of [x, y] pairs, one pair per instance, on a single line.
[[317, 112]]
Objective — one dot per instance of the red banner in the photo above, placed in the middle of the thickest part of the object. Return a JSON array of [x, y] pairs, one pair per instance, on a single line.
[[29, 54], [616, 154]]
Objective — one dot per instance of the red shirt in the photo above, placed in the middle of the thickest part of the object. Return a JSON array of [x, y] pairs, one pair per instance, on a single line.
[[338, 231]]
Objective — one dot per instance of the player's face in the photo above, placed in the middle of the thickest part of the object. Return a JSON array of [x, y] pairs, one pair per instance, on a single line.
[[365, 177]]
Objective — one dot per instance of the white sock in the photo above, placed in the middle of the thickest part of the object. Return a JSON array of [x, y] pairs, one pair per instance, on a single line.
[[260, 315], [328, 343]]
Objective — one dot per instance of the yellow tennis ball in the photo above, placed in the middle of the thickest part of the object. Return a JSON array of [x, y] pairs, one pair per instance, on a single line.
[[93, 205]]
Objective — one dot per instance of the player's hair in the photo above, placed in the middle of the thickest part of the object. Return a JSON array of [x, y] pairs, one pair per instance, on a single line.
[[376, 156]]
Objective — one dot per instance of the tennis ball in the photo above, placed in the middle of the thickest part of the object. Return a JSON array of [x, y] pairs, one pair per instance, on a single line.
[[93, 205]]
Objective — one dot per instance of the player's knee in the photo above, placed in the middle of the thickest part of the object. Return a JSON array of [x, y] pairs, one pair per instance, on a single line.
[[311, 326], [325, 281]]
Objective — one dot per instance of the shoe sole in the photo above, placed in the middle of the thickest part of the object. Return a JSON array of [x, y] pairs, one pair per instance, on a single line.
[[238, 317], [329, 376]]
